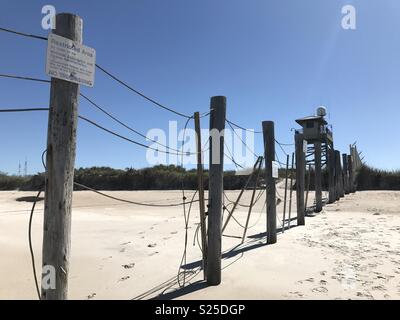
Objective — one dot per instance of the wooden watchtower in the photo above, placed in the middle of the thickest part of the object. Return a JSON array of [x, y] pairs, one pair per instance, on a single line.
[[314, 147]]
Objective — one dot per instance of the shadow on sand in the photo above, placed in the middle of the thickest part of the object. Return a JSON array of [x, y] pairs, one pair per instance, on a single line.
[[170, 289]]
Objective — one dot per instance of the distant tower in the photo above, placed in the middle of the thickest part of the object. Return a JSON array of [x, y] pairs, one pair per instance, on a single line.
[[26, 167], [19, 168]]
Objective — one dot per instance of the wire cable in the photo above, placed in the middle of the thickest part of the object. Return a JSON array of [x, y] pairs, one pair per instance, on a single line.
[[23, 34], [123, 137], [132, 202], [31, 246], [140, 93], [24, 110], [125, 125], [240, 127], [11, 76], [108, 74], [240, 138]]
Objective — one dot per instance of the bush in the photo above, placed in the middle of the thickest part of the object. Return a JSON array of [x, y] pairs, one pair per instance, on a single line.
[[160, 177], [11, 182], [368, 178]]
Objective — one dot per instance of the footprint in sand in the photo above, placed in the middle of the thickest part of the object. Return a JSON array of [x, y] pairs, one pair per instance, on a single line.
[[122, 250], [124, 278], [152, 254], [323, 273], [128, 266], [91, 296], [166, 238], [174, 232], [125, 243], [323, 283], [320, 290], [379, 288], [151, 245], [296, 293]]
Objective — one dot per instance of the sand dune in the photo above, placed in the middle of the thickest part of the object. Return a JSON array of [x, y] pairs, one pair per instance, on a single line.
[[349, 251]]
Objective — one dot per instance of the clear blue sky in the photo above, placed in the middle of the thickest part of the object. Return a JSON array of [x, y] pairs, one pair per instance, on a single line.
[[274, 60]]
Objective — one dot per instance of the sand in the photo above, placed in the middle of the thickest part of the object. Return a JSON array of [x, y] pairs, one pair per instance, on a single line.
[[351, 250]]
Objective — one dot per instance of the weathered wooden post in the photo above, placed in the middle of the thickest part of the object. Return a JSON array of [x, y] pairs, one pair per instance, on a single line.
[[307, 186], [216, 174], [346, 174], [285, 197], [331, 175], [269, 155], [300, 178], [318, 177], [341, 181], [291, 190], [351, 173], [200, 182], [60, 162], [337, 174]]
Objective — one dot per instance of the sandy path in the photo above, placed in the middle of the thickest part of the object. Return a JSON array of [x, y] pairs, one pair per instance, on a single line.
[[119, 251]]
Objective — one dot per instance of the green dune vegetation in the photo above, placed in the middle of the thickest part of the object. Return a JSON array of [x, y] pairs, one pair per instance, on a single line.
[[170, 177]]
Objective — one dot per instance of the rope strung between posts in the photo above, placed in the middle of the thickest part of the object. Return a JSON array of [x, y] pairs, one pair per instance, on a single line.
[[240, 127], [108, 73], [133, 202], [91, 102], [23, 110], [175, 151], [123, 137], [31, 246], [240, 138], [230, 157], [244, 205]]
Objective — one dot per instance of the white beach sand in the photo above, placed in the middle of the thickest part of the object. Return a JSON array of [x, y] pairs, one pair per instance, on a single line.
[[119, 251]]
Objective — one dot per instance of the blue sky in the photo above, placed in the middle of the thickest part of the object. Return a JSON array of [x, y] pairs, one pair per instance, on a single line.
[[274, 60]]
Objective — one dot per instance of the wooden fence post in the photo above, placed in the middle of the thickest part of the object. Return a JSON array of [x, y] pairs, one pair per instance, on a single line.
[[300, 178], [269, 155], [351, 173], [215, 190], [337, 174], [318, 177], [60, 162], [291, 190], [200, 182], [331, 175], [285, 197], [341, 181], [345, 174]]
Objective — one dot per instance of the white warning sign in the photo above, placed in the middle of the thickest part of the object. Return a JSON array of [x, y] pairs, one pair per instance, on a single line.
[[275, 169], [70, 61]]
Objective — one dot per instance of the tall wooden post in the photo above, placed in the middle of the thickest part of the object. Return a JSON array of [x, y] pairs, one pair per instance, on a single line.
[[341, 184], [318, 177], [216, 174], [331, 175], [357, 158], [60, 161], [300, 178], [291, 190], [351, 173], [345, 174], [285, 197], [200, 182], [269, 154], [337, 174]]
